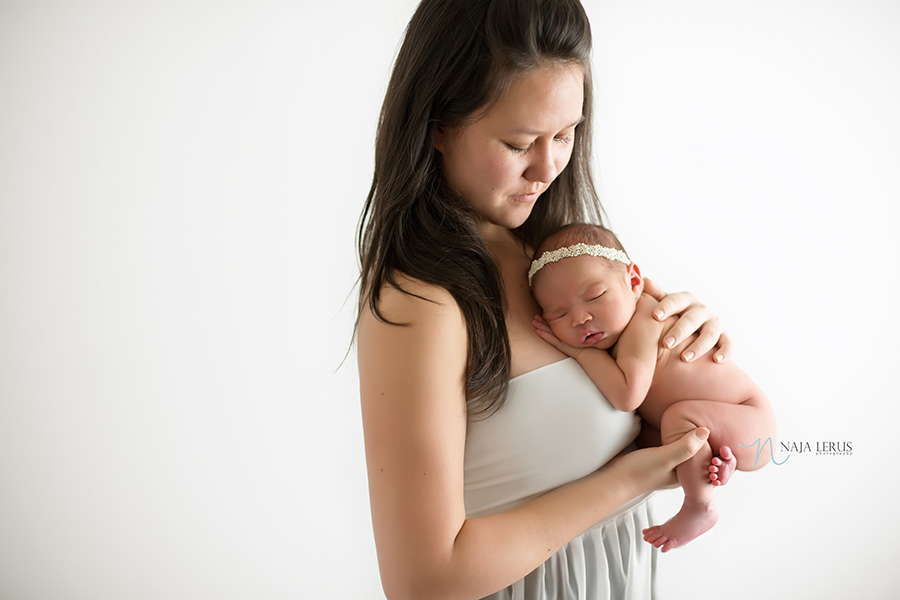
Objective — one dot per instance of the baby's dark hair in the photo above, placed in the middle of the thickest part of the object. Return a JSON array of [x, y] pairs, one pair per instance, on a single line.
[[574, 233]]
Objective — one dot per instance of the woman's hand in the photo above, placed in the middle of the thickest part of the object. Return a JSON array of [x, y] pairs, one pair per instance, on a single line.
[[694, 317], [654, 468], [542, 328]]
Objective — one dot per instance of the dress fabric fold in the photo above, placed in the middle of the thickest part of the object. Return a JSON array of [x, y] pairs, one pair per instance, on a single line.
[[556, 427]]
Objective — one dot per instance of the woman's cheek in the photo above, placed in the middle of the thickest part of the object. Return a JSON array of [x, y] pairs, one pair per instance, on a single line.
[[498, 170]]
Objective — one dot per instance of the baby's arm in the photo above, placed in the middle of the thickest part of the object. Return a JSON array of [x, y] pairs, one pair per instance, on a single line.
[[625, 379]]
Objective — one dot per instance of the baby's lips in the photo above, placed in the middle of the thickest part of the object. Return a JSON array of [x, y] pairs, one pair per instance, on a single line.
[[589, 334]]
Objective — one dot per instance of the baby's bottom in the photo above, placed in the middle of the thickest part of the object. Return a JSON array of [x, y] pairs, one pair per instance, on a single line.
[[731, 427]]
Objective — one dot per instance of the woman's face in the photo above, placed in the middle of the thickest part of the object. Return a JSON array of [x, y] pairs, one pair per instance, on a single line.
[[504, 161]]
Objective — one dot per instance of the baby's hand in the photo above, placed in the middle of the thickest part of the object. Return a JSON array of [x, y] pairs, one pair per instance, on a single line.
[[542, 328]]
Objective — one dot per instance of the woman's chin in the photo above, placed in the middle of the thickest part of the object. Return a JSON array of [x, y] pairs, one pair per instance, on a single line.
[[518, 218], [505, 224]]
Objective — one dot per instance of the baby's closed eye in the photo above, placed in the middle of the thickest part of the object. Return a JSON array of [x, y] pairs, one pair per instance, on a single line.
[[594, 293]]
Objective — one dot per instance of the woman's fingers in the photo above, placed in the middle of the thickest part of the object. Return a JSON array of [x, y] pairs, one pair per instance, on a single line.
[[654, 468], [707, 341], [689, 444], [695, 318], [679, 451], [707, 326], [700, 319], [672, 304], [692, 317]]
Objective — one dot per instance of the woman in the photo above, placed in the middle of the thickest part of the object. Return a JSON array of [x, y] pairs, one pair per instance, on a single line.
[[490, 462]]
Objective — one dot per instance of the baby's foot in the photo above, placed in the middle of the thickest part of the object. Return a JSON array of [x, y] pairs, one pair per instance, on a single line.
[[722, 466], [693, 520]]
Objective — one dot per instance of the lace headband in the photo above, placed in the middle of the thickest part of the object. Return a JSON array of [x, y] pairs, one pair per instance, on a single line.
[[572, 251]]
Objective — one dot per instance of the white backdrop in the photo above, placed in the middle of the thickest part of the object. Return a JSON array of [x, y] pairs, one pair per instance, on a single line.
[[179, 187]]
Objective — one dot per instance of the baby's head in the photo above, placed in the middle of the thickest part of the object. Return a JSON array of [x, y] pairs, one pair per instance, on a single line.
[[586, 285]]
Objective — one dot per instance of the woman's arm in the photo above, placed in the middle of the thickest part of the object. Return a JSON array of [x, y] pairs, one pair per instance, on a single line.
[[694, 317], [414, 419]]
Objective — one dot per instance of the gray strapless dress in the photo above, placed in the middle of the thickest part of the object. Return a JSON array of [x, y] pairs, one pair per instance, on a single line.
[[556, 427]]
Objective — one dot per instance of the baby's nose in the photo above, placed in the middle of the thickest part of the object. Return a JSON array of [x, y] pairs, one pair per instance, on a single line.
[[582, 318]]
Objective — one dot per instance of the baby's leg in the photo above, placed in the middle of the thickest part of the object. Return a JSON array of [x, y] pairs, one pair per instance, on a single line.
[[698, 512], [729, 425], [732, 426]]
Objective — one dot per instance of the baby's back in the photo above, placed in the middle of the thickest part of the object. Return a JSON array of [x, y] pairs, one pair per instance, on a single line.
[[702, 379]]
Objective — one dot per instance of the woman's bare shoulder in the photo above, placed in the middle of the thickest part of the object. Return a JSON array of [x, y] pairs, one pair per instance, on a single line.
[[417, 351], [412, 302]]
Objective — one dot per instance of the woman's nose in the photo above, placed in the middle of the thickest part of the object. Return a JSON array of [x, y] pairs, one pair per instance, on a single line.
[[543, 165]]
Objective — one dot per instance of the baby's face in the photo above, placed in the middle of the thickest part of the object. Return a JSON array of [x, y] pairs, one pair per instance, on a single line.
[[587, 300]]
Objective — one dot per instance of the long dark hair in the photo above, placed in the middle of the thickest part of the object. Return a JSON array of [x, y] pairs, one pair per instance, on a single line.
[[457, 59]]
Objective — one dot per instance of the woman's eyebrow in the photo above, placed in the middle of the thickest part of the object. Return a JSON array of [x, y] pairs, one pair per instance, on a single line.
[[535, 132]]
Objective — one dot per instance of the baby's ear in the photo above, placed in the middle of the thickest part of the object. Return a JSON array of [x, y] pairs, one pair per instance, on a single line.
[[635, 280]]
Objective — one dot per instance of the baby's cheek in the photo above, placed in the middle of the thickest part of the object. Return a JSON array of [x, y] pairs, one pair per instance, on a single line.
[[565, 334], [557, 331]]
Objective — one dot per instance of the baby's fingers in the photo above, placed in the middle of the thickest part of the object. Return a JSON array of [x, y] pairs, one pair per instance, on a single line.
[[548, 336], [540, 323], [551, 339]]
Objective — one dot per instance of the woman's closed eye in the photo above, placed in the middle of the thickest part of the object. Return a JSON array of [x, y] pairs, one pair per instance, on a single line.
[[519, 149]]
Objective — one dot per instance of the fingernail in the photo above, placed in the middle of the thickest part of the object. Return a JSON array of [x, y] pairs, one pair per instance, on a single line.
[[659, 314], [702, 433], [669, 341], [688, 355]]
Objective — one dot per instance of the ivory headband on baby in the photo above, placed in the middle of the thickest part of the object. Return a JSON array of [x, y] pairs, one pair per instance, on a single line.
[[572, 251]]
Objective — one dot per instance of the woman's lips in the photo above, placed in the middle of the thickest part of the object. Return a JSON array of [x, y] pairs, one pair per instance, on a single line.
[[527, 196]]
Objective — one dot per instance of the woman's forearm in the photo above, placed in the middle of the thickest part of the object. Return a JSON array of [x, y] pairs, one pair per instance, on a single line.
[[489, 553], [492, 552]]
